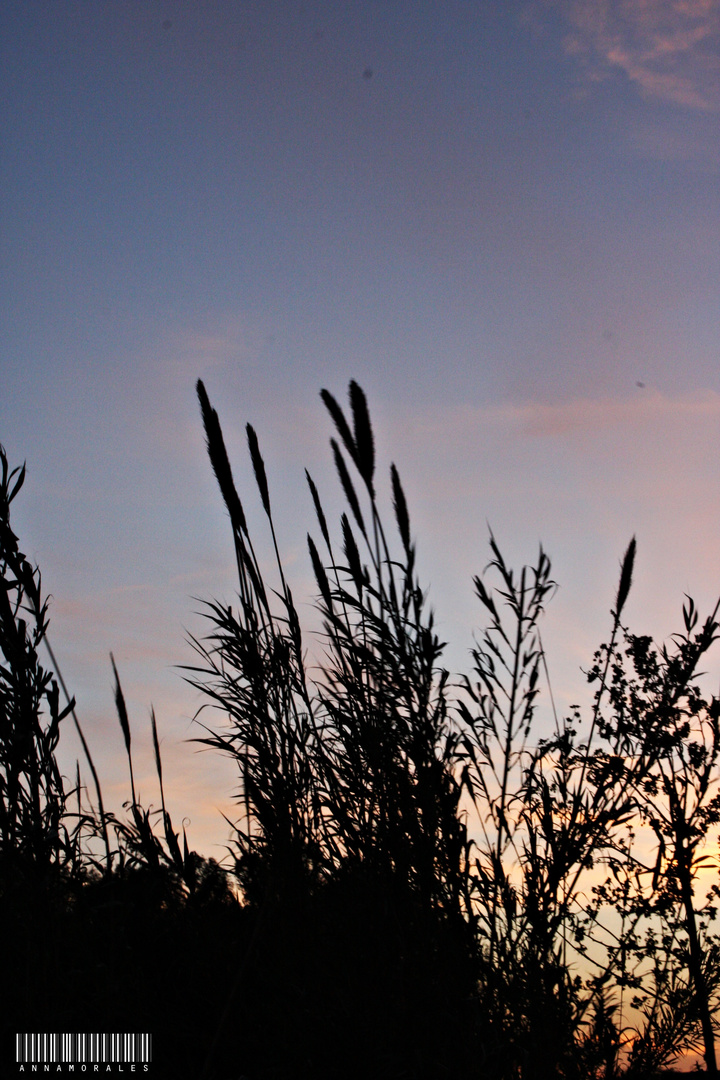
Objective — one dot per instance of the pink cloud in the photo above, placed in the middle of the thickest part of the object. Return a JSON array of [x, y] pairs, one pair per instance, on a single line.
[[591, 416], [667, 48]]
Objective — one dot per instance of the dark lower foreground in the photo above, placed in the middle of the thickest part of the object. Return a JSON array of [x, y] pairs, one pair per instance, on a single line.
[[229, 992], [351, 982], [379, 939]]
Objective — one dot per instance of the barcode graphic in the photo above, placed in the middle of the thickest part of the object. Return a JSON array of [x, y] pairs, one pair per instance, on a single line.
[[83, 1048]]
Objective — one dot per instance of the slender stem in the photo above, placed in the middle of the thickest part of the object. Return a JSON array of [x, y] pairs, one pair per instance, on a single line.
[[88, 755]]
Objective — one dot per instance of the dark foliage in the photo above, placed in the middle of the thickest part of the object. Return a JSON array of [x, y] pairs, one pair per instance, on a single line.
[[433, 880]]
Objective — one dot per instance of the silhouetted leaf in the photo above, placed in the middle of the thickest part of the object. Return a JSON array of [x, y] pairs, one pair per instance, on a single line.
[[625, 578], [259, 468], [120, 706], [318, 509], [351, 552], [364, 442], [219, 460], [401, 510], [320, 575], [347, 485], [340, 423]]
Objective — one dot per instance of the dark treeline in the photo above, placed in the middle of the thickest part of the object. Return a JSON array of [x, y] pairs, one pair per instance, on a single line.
[[432, 876]]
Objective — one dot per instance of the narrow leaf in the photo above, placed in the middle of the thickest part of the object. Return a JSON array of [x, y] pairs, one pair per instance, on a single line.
[[259, 468], [219, 460], [340, 423], [18, 483], [351, 552], [320, 575], [401, 510], [120, 706], [625, 578], [318, 508], [156, 746], [364, 442], [347, 484]]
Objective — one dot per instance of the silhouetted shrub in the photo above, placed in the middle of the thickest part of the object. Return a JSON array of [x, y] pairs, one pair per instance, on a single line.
[[432, 883]]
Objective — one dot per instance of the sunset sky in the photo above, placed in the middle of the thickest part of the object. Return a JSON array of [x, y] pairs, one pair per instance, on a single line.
[[501, 218]]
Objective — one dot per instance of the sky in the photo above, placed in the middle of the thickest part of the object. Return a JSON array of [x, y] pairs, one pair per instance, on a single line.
[[501, 218]]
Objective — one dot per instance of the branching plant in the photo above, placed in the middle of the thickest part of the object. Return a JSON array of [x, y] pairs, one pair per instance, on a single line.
[[389, 760], [658, 713], [254, 669], [32, 794], [489, 888]]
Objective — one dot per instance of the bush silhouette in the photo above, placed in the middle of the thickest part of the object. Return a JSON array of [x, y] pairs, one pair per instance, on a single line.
[[430, 882]]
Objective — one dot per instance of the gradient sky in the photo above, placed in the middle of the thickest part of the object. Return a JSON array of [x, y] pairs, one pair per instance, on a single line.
[[501, 218]]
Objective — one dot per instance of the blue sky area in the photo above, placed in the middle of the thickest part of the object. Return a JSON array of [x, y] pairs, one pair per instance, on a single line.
[[502, 219]]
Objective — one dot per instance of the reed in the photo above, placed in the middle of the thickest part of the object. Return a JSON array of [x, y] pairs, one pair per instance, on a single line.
[[381, 752], [32, 794], [419, 855]]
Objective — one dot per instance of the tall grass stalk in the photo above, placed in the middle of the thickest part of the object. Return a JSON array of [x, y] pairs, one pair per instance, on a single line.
[[360, 771], [32, 794], [490, 888]]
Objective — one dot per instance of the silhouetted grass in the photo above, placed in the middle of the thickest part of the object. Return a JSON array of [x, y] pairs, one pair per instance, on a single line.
[[432, 882]]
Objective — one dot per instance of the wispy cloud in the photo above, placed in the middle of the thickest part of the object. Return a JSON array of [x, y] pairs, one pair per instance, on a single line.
[[669, 49], [584, 416], [592, 416]]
